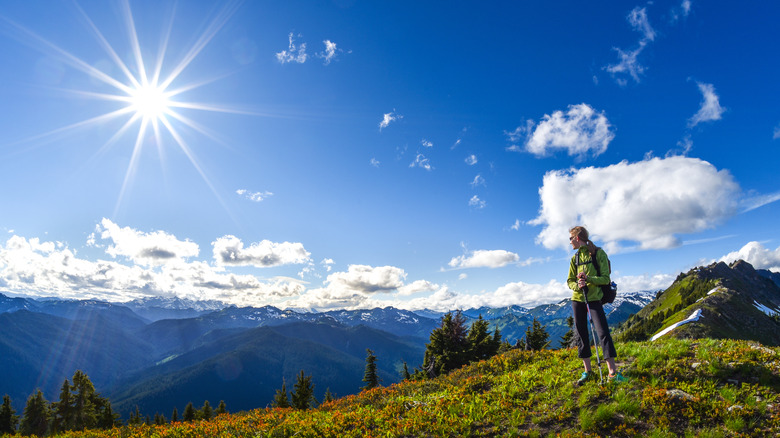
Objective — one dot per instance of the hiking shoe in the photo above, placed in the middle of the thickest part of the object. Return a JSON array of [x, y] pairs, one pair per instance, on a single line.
[[617, 377], [584, 378]]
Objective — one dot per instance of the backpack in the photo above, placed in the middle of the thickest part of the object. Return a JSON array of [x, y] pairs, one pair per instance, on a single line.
[[608, 291]]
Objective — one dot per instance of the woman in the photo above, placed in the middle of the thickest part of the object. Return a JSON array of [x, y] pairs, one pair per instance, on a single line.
[[585, 278]]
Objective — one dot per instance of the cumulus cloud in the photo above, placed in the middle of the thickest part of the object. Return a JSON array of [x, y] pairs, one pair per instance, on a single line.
[[710, 106], [356, 288], [374, 162], [515, 226], [229, 250], [149, 249], [421, 162], [648, 202], [757, 255], [293, 53], [496, 258], [475, 202], [580, 130], [426, 143], [254, 196], [471, 160], [36, 268], [387, 118], [417, 287], [478, 181]]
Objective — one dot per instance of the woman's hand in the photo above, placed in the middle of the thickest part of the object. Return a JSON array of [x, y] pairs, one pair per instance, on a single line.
[[582, 279]]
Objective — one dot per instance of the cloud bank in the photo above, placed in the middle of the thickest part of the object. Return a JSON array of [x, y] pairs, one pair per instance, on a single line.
[[757, 255]]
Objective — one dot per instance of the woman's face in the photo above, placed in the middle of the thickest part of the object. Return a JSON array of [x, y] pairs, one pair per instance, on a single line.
[[575, 242]]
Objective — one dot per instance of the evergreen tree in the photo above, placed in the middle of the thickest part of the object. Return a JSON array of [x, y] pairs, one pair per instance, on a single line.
[[481, 344], [206, 412], [448, 346], [221, 409], [8, 418], [175, 415], [106, 418], [281, 399], [302, 396], [84, 415], [159, 419], [63, 415], [568, 337], [370, 376], [536, 336], [189, 412], [35, 420], [328, 397], [405, 373], [135, 417]]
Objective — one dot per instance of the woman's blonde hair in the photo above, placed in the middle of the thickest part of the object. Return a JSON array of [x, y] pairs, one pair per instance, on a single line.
[[582, 234]]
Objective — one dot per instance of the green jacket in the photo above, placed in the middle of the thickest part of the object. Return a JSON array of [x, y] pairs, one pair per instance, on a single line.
[[595, 279]]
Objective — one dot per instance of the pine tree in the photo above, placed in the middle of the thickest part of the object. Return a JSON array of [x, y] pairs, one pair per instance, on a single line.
[[302, 396], [405, 374], [568, 337], [35, 420], [135, 417], [63, 415], [328, 397], [536, 336], [206, 412], [189, 412], [370, 376], [221, 409], [448, 346], [175, 415], [106, 418], [84, 416], [281, 399], [481, 344], [8, 418]]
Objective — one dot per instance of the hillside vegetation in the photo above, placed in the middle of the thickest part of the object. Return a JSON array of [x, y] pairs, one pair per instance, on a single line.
[[675, 388]]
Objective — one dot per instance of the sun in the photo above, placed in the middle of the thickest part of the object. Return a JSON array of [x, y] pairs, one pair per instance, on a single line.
[[149, 101]]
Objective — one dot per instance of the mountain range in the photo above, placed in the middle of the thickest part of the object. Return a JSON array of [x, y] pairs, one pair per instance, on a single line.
[[158, 353]]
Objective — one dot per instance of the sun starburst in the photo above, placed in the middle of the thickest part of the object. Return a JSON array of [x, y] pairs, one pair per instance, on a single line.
[[146, 96]]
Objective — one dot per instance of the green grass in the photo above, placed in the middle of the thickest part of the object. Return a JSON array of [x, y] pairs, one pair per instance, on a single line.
[[673, 390]]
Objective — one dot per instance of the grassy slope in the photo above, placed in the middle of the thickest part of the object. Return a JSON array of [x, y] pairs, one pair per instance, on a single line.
[[675, 388]]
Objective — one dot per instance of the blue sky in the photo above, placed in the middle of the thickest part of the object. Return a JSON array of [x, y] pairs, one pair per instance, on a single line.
[[350, 154]]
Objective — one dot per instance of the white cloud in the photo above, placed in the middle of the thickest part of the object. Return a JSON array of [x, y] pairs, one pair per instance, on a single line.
[[42, 269], [580, 130], [463, 276], [478, 181], [374, 162], [229, 250], [149, 249], [776, 132], [471, 160], [329, 53], [754, 202], [710, 106], [757, 255], [254, 196], [426, 143], [328, 264], [417, 287], [648, 202], [628, 63], [389, 117], [476, 202], [638, 19], [645, 282], [496, 258], [515, 226], [421, 162], [681, 11], [293, 53]]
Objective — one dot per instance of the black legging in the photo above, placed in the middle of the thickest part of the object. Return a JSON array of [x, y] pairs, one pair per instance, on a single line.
[[581, 337]]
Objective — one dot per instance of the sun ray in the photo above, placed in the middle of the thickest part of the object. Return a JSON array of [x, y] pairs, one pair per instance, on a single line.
[[131, 167], [216, 24], [136, 46]]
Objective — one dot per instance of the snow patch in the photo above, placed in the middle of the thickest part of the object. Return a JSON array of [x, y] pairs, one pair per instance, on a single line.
[[694, 317], [765, 309]]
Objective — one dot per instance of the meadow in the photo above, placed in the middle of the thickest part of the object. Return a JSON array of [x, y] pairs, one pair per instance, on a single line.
[[710, 388]]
